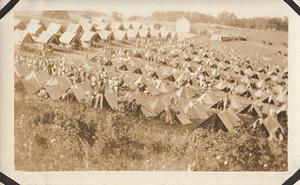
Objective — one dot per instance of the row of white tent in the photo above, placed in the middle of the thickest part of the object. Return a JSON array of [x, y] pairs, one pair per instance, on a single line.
[[77, 33], [68, 38], [35, 27]]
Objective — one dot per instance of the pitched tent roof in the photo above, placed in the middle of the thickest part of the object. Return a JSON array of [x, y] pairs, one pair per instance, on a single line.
[[74, 28], [34, 29], [90, 36], [272, 125], [83, 20], [111, 98], [165, 34], [127, 25], [68, 37], [152, 106], [155, 33], [80, 91], [136, 25], [41, 77], [22, 71], [22, 37], [47, 38], [34, 21], [54, 28], [210, 97], [144, 33], [251, 110], [222, 85], [226, 121], [185, 92], [183, 118], [57, 86], [62, 82], [194, 111], [162, 87], [239, 103], [116, 26], [133, 34], [103, 26], [19, 24], [55, 92], [88, 27], [106, 35], [31, 86], [120, 35], [281, 97]]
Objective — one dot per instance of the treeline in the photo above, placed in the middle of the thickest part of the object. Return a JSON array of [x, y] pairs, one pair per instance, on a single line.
[[224, 18]]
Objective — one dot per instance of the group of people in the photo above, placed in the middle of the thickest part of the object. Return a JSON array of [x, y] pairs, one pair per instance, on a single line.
[[204, 68]]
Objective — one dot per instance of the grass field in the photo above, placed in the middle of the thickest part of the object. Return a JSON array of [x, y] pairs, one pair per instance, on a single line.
[[57, 136]]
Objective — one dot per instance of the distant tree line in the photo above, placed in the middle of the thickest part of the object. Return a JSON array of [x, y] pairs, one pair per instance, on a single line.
[[224, 18]]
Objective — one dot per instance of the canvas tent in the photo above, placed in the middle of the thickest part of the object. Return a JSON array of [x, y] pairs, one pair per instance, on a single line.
[[127, 25], [226, 120], [273, 128], [70, 40], [111, 98], [19, 24], [144, 33], [155, 33], [117, 26], [90, 38], [132, 34], [35, 27], [120, 35], [185, 92], [251, 110], [54, 28], [74, 28], [166, 34], [106, 35], [22, 71], [57, 86], [102, 26], [152, 107], [31, 86], [47, 38], [195, 111], [23, 38], [210, 97], [183, 118], [136, 25], [81, 91], [41, 77]]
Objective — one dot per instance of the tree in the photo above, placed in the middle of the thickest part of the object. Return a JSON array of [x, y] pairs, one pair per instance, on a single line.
[[117, 16], [227, 18]]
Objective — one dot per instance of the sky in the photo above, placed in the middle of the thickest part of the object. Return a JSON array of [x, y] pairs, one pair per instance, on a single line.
[[242, 8]]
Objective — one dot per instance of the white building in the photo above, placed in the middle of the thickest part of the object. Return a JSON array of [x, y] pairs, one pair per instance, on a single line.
[[183, 25]]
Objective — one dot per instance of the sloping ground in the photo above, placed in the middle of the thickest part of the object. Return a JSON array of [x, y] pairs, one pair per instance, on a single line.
[[254, 35], [249, 48], [49, 137]]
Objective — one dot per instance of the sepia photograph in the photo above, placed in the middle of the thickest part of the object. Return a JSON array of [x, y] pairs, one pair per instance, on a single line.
[[164, 86]]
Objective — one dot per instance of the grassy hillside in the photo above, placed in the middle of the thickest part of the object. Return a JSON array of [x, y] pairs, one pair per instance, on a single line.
[[48, 136]]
